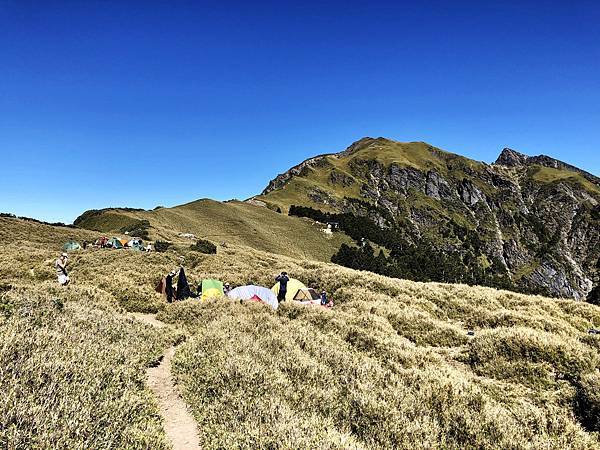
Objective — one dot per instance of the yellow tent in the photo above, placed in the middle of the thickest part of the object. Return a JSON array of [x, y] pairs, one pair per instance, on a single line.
[[212, 289], [293, 287]]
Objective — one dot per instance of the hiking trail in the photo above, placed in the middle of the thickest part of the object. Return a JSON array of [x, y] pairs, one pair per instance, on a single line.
[[180, 426]]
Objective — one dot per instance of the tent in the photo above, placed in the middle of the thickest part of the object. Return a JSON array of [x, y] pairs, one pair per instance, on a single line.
[[136, 244], [256, 293], [212, 289], [71, 245], [114, 243], [293, 287], [123, 242], [307, 294]]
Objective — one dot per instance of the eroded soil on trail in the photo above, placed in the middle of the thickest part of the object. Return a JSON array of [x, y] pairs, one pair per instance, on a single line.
[[179, 424]]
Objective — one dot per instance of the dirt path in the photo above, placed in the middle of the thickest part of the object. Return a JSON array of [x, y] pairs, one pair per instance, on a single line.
[[180, 426], [148, 319]]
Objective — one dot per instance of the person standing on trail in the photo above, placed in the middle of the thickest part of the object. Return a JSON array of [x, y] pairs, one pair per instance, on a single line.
[[61, 269], [282, 279]]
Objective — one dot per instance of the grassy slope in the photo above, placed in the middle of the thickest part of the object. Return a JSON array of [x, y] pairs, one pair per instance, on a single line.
[[390, 365], [543, 174], [72, 364], [235, 223]]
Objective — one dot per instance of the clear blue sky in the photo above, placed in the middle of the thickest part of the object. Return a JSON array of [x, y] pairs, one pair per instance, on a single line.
[[139, 104]]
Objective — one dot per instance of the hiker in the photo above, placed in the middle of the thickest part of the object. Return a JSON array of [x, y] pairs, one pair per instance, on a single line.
[[61, 269], [323, 298], [226, 288], [85, 244], [169, 291], [282, 279]]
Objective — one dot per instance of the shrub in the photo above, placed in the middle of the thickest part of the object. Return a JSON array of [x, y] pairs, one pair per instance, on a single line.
[[563, 358], [204, 246], [162, 246], [587, 404], [138, 228]]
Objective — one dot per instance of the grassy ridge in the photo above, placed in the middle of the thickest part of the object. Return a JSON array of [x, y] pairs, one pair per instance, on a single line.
[[235, 223]]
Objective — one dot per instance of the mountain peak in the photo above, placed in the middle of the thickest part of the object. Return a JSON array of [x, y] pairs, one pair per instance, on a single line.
[[360, 144], [510, 157]]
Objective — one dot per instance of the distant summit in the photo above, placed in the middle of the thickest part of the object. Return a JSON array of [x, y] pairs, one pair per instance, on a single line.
[[513, 158]]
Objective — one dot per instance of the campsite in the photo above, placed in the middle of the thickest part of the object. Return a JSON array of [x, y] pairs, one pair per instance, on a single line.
[[207, 289]]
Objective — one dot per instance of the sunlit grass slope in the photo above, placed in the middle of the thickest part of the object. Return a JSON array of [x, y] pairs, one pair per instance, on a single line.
[[72, 364], [390, 366], [234, 222]]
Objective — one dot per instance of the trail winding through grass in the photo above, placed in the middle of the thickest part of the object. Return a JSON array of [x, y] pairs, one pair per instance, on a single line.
[[179, 424]]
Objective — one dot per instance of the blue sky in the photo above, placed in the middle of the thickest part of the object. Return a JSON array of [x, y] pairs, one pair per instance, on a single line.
[[140, 104]]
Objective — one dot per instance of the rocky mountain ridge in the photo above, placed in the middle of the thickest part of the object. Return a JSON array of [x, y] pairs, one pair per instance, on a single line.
[[536, 219]]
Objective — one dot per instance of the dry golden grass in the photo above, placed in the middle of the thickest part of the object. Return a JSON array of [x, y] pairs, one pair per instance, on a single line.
[[390, 366]]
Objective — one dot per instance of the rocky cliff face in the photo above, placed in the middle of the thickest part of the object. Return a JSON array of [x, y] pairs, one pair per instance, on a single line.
[[536, 217]]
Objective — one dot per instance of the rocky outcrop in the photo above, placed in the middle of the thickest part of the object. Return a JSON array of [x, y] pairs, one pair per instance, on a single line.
[[436, 186], [340, 178], [512, 158]]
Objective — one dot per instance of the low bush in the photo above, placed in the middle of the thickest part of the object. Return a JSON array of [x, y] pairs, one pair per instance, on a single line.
[[204, 246], [560, 357], [138, 228], [162, 246], [587, 404]]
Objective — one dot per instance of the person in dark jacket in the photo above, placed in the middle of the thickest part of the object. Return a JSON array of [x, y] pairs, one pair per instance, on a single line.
[[324, 300], [169, 291], [282, 279]]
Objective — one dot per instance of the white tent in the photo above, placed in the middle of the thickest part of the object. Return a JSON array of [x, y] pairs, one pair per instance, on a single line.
[[256, 293]]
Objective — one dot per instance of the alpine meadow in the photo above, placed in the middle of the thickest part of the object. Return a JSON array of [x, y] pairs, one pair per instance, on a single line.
[[299, 225], [393, 363]]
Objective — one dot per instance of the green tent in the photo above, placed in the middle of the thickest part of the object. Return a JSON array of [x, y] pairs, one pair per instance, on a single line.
[[114, 243], [71, 245], [212, 289]]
